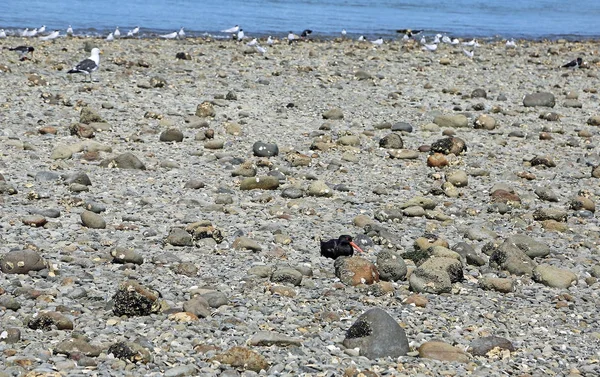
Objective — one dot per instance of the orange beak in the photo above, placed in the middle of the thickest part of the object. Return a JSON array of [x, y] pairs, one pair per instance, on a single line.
[[356, 247]]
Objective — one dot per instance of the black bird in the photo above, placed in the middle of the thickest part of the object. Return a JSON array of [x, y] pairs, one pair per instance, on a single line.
[[341, 247], [306, 33], [574, 63], [23, 50], [409, 32]]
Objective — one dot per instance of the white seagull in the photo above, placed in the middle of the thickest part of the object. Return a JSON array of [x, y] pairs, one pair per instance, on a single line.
[[181, 33], [253, 42], [231, 30], [240, 34], [136, 30], [117, 33], [110, 37], [292, 37], [361, 38], [431, 47], [130, 34], [51, 36], [42, 29], [378, 42], [2, 33], [455, 41], [270, 41], [261, 49], [89, 65], [423, 41], [472, 43], [172, 35], [511, 44], [69, 30], [468, 53], [436, 40], [446, 39], [344, 32]]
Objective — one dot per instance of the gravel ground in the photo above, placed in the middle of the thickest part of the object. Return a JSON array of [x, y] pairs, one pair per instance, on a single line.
[[122, 224]]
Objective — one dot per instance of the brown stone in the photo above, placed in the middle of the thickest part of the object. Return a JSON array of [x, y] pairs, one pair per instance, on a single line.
[[437, 160], [416, 300], [356, 270], [442, 351]]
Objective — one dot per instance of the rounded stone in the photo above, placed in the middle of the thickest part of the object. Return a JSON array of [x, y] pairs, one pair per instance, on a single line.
[[92, 220]]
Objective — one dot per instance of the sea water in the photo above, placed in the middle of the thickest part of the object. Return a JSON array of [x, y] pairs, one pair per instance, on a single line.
[[534, 19]]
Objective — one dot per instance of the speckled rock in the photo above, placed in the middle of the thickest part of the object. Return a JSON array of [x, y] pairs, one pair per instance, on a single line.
[[269, 338], [179, 237], [287, 275], [556, 214], [244, 358], [391, 266], [205, 110], [126, 255], [245, 243], [21, 262], [376, 335], [78, 345], [510, 257], [436, 275], [47, 320], [88, 115], [355, 270], [458, 178], [391, 141], [503, 285], [198, 306], [319, 188], [333, 114], [449, 145], [171, 134], [130, 351], [485, 122], [133, 299]]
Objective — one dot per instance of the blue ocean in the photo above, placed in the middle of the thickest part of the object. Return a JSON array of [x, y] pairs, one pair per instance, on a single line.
[[532, 19]]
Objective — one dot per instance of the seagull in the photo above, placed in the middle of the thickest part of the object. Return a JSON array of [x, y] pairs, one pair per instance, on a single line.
[[446, 39], [51, 36], [181, 33], [405, 37], [361, 38], [511, 44], [423, 41], [136, 30], [42, 29], [117, 33], [431, 47], [455, 41], [172, 35], [69, 30], [306, 33], [89, 65], [261, 49], [130, 33], [472, 43], [2, 33], [574, 63], [22, 51], [270, 41], [378, 42], [253, 42], [344, 33], [29, 33], [240, 35], [110, 37], [231, 30], [468, 53], [436, 40]]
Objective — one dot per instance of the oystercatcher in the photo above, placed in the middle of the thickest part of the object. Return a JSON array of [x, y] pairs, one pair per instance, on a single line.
[[343, 246]]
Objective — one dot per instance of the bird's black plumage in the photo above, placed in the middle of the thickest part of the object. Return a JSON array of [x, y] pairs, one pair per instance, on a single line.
[[343, 246], [409, 32], [574, 63], [22, 50], [306, 33], [86, 65]]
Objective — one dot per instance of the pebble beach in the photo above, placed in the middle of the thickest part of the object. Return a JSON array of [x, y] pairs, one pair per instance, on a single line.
[[164, 219]]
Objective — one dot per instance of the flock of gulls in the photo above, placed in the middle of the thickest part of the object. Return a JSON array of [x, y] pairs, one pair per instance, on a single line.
[[92, 63]]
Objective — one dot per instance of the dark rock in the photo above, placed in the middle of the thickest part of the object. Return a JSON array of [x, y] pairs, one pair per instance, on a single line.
[[183, 56], [261, 149], [391, 141], [125, 255], [478, 93], [88, 116], [179, 237], [449, 145], [391, 266], [402, 127], [376, 334], [132, 299], [80, 178], [172, 134], [47, 320], [130, 351]]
